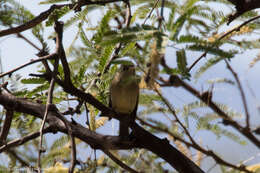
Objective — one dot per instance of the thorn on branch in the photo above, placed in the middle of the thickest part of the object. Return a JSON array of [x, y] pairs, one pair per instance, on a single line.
[[175, 81], [257, 131], [165, 140], [42, 150], [206, 96], [4, 85], [73, 121], [42, 52]]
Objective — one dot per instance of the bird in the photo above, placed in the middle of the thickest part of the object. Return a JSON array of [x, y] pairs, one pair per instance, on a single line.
[[124, 95]]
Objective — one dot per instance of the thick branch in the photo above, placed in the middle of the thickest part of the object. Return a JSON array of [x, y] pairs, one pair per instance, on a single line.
[[61, 53], [243, 6], [163, 149], [143, 138], [196, 146], [36, 109]]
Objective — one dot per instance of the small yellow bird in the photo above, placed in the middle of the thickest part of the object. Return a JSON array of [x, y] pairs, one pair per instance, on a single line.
[[124, 94]]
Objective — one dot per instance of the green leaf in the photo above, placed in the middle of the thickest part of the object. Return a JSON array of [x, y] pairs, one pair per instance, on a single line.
[[103, 27], [182, 63], [60, 142], [190, 39], [212, 50], [206, 66], [56, 14], [123, 62], [131, 34], [221, 80], [85, 39], [178, 25], [33, 81], [107, 52], [128, 48], [52, 1]]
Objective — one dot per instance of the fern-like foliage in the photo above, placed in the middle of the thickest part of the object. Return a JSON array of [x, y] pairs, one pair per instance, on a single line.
[[187, 29]]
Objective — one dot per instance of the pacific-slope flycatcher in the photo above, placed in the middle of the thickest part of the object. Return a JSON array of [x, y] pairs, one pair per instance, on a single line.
[[124, 93]]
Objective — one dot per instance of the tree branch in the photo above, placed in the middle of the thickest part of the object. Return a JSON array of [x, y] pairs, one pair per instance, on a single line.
[[241, 92], [14, 154], [32, 23], [19, 35], [220, 38], [197, 147], [206, 97], [49, 102], [51, 56], [151, 11], [243, 6], [6, 126], [29, 137], [61, 53], [119, 45], [36, 109], [119, 162], [44, 15], [143, 138]]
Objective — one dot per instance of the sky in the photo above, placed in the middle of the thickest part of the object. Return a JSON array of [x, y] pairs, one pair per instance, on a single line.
[[15, 52]]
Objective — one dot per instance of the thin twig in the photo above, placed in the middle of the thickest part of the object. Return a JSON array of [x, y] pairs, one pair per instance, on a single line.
[[205, 97], [21, 160], [6, 126], [73, 160], [167, 103], [42, 52], [119, 45], [49, 102], [241, 92], [165, 131], [51, 56], [161, 17], [28, 41], [87, 112], [128, 13], [119, 162], [15, 155], [30, 24], [149, 15], [220, 38], [24, 139], [76, 110], [50, 93]]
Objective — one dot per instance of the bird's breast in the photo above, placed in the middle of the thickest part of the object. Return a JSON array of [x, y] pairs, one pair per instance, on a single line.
[[124, 99]]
